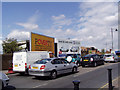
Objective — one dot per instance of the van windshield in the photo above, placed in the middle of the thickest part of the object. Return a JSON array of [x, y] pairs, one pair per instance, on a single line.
[[43, 61]]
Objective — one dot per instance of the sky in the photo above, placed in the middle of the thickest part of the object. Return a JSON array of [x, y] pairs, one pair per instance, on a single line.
[[90, 21]]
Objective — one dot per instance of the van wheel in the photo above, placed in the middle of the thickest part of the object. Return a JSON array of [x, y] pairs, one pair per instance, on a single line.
[[53, 75], [27, 71], [22, 73], [74, 70]]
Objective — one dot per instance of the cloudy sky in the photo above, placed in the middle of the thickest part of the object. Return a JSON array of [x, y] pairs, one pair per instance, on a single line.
[[87, 21]]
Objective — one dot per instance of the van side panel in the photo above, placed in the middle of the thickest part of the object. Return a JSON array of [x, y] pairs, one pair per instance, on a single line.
[[34, 56], [19, 60]]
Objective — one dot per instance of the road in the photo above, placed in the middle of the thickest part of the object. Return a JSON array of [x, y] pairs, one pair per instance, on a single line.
[[90, 77]]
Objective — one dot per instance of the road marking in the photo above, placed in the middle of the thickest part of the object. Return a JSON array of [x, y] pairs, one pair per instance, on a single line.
[[40, 85], [107, 83]]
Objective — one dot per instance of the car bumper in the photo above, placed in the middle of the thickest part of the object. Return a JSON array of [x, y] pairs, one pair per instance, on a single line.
[[86, 63], [6, 82], [40, 73], [109, 60]]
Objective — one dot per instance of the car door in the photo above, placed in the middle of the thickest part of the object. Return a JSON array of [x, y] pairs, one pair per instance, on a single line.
[[66, 65], [58, 66]]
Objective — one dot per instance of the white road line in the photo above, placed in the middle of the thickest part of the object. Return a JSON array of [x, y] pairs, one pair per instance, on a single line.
[[40, 85]]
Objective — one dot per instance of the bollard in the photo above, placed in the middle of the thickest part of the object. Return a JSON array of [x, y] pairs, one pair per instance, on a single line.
[[110, 79], [76, 84]]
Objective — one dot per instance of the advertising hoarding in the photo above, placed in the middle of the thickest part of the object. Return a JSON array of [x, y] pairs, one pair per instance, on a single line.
[[66, 46], [41, 43]]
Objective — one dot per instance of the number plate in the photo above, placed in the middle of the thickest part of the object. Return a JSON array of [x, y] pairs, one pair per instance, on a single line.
[[34, 67], [16, 65], [85, 60], [108, 58]]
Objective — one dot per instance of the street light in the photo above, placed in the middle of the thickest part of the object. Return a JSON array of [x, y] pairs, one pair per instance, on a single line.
[[112, 36]]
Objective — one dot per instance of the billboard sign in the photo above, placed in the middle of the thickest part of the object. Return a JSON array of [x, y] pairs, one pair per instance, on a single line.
[[41, 43], [66, 46]]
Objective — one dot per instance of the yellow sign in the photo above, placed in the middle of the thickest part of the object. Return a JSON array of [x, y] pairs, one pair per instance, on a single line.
[[41, 43]]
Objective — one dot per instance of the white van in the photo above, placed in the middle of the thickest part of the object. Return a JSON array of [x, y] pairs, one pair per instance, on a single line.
[[22, 60]]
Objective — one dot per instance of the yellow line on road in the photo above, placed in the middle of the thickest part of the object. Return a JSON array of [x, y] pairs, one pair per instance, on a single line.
[[107, 83]]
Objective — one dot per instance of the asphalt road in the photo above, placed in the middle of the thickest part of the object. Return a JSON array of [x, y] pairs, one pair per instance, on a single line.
[[90, 77]]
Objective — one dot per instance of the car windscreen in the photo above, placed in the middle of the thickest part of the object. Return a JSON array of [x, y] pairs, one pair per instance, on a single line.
[[43, 61], [88, 55]]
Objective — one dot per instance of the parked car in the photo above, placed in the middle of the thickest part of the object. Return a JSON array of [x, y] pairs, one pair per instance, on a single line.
[[52, 67], [111, 58], [4, 80], [92, 59], [74, 58]]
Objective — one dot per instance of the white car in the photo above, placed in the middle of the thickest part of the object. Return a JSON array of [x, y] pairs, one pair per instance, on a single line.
[[110, 58], [4, 80]]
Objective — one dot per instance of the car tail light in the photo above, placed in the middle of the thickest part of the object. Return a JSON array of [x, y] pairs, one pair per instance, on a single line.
[[81, 59], [104, 57], [25, 65], [91, 59], [113, 57], [73, 62], [42, 67], [29, 66]]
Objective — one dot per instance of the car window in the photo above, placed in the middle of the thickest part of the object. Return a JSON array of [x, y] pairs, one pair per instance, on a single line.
[[87, 55], [56, 61], [108, 55], [43, 61], [64, 61]]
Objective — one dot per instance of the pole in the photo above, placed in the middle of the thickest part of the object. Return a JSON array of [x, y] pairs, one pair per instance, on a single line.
[[112, 37], [110, 79], [76, 84]]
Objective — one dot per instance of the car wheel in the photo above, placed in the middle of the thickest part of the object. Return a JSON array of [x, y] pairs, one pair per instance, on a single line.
[[53, 75], [83, 65], [103, 63], [78, 64], [2, 85], [74, 70], [115, 61], [95, 64]]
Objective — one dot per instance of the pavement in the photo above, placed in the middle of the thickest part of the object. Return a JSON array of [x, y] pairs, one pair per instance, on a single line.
[[115, 84]]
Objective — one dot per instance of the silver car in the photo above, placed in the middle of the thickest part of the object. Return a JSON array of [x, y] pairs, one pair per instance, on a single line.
[[3, 79], [52, 67]]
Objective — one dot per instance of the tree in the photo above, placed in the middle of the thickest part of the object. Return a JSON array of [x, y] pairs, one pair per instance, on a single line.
[[10, 45], [103, 51]]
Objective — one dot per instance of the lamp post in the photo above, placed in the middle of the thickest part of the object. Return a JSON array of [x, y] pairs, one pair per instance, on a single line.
[[112, 35]]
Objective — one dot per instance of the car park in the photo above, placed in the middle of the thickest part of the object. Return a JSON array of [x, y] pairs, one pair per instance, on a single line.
[[92, 59], [4, 80], [51, 67], [111, 58]]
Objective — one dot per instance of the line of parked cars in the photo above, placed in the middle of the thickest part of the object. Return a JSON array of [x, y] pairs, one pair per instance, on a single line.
[[65, 63]]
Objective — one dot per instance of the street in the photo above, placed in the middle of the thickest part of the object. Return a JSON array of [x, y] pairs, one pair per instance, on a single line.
[[90, 77]]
